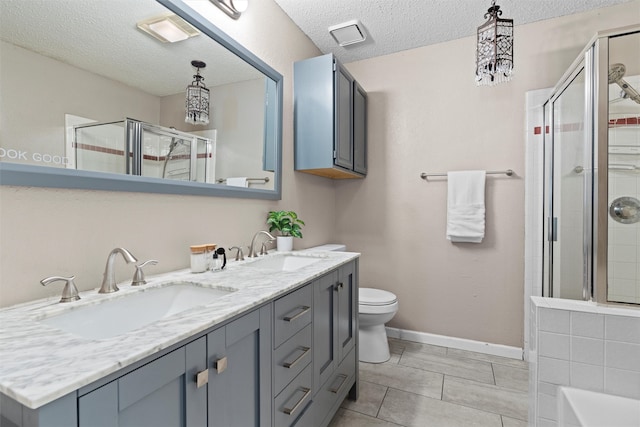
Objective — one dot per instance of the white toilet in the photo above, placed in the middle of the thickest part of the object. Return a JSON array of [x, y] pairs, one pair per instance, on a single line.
[[375, 308]]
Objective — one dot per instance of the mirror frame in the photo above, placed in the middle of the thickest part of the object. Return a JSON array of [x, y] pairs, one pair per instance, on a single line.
[[13, 174]]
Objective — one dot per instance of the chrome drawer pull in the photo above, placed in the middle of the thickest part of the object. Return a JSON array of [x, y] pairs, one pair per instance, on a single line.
[[336, 390], [338, 286], [297, 405], [220, 365], [202, 378], [304, 310], [290, 365]]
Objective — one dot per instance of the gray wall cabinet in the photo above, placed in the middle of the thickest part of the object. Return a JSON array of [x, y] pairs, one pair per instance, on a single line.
[[330, 110], [288, 363]]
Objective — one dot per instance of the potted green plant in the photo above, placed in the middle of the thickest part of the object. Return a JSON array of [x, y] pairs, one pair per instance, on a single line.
[[288, 225]]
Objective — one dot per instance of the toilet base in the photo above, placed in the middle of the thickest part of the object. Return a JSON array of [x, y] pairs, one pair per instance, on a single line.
[[374, 347]]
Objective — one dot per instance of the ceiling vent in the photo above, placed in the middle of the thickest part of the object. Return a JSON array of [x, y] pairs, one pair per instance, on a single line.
[[348, 33], [168, 28]]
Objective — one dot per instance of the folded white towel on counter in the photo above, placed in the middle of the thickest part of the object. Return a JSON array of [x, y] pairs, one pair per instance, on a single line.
[[241, 181], [465, 206]]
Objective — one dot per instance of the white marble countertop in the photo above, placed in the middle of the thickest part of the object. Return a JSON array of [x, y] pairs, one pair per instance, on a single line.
[[39, 363]]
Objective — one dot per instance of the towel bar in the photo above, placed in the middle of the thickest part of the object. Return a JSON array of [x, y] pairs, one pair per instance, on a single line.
[[508, 172], [265, 179]]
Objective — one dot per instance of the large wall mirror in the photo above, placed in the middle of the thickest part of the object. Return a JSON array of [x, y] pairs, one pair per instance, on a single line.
[[91, 100]]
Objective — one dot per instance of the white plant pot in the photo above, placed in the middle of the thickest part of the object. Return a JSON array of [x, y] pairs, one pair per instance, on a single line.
[[285, 243]]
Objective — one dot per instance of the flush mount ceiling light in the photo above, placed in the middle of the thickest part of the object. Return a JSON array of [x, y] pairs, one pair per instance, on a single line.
[[348, 33], [197, 103], [233, 8], [168, 28], [494, 63]]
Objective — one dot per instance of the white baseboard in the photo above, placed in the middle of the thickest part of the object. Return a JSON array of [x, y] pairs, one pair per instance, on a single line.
[[458, 343]]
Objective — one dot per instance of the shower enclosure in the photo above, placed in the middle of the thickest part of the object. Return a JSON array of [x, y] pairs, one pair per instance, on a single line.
[[137, 148], [592, 174]]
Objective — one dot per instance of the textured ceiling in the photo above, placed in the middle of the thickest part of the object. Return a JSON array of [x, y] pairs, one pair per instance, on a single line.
[[101, 36], [396, 25]]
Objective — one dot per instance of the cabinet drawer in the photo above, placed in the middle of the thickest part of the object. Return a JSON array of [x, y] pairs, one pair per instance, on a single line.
[[291, 313], [293, 400], [332, 393], [306, 418], [291, 358]]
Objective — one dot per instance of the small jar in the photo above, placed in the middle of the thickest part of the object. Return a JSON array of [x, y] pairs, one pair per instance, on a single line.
[[199, 262], [211, 249]]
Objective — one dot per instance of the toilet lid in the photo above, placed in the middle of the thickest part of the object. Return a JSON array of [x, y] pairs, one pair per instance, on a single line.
[[370, 296]]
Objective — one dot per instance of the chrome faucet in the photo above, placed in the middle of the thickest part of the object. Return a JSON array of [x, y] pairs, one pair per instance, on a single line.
[[69, 293], [239, 253], [109, 278], [252, 250]]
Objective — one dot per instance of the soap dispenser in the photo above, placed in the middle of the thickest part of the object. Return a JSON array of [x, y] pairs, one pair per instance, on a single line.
[[219, 259]]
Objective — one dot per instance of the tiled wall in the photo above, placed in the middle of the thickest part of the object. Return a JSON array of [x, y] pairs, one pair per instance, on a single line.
[[582, 345]]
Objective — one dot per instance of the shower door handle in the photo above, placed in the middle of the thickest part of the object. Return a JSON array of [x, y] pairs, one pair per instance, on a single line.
[[553, 229]]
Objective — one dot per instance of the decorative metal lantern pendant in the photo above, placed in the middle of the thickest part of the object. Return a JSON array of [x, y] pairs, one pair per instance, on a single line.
[[197, 104], [494, 63]]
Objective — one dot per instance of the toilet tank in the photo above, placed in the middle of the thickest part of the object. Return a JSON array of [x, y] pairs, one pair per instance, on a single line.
[[328, 247]]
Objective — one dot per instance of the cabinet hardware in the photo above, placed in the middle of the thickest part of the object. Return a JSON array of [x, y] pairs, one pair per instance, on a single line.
[[336, 390], [220, 365], [290, 411], [202, 378], [338, 286], [553, 229], [290, 365], [303, 310]]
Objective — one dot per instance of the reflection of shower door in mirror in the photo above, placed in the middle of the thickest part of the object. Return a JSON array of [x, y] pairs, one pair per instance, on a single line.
[[137, 148], [167, 156], [570, 151], [100, 147]]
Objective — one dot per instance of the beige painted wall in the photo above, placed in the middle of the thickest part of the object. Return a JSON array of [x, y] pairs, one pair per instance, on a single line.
[[427, 115], [62, 232], [31, 122]]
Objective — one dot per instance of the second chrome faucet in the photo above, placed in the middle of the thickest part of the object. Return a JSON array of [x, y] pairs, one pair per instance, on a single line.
[[109, 278]]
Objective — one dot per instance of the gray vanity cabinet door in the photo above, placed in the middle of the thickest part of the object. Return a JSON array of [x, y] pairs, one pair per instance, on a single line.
[[162, 392], [325, 339], [347, 309], [359, 129], [343, 118], [239, 359]]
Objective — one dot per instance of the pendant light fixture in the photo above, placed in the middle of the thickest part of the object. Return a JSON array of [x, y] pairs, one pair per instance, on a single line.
[[494, 55], [197, 104]]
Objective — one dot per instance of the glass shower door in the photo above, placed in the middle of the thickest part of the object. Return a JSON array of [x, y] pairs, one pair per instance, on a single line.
[[623, 222], [571, 151]]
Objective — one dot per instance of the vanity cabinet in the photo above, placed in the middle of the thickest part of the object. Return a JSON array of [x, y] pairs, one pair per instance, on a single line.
[[239, 363], [290, 362], [330, 113], [335, 332], [221, 379], [162, 392], [315, 360]]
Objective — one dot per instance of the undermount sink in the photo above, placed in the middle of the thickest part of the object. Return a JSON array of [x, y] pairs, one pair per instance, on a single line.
[[283, 262], [121, 315]]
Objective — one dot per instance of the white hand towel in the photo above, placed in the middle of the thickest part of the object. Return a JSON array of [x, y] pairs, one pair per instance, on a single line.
[[241, 181], [465, 206]]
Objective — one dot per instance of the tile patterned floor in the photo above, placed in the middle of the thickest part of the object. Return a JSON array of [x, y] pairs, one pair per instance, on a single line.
[[426, 385]]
